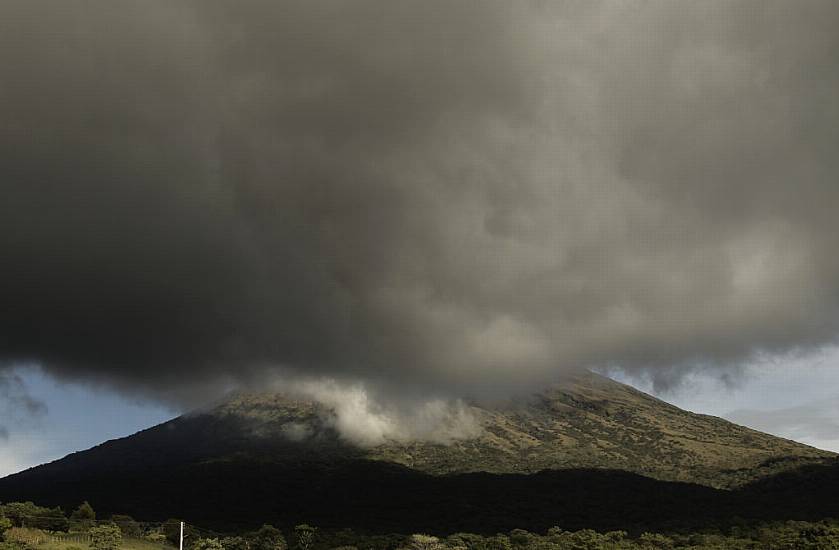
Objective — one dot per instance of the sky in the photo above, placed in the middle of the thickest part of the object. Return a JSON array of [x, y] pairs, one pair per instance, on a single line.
[[426, 199], [72, 417], [794, 397]]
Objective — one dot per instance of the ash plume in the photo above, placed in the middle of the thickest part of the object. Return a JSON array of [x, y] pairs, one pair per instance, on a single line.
[[17, 406], [463, 198]]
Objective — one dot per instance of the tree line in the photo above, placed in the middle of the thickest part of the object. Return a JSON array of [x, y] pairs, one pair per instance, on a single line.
[[19, 520]]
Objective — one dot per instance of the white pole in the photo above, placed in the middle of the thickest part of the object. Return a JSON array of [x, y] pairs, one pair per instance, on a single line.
[[181, 546]]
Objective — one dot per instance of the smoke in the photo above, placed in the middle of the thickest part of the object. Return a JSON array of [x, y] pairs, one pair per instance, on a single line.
[[17, 406], [367, 419], [458, 198]]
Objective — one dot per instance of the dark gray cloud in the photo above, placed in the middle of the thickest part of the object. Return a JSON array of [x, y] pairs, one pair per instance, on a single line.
[[198, 194], [17, 406]]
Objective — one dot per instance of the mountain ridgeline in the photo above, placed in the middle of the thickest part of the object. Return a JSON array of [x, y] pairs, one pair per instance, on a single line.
[[587, 452], [586, 421]]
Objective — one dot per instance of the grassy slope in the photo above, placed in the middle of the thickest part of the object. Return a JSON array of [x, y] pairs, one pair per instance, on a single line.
[[37, 539], [587, 421]]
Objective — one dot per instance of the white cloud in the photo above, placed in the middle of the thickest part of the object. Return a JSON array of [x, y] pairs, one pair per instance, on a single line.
[[18, 453], [367, 419]]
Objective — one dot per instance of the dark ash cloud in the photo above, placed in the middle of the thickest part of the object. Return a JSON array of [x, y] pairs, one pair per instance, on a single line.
[[200, 194], [17, 405]]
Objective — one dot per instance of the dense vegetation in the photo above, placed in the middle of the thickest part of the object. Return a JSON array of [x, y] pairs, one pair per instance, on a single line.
[[380, 497], [25, 526]]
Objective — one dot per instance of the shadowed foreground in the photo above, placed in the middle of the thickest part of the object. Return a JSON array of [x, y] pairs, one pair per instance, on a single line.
[[380, 497]]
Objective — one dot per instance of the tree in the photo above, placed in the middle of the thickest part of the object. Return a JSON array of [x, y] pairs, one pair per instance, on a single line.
[[421, 541], [19, 512], [467, 541], [520, 537], [5, 524], [207, 544], [171, 529], [52, 519], [800, 535], [156, 537], [343, 538], [126, 524], [27, 514], [655, 540], [305, 535], [235, 543], [105, 537], [586, 539], [267, 537], [83, 517], [499, 542]]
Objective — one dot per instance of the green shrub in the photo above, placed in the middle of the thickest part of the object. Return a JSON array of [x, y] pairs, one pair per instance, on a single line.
[[5, 524], [235, 543], [498, 542], [171, 529], [305, 536], [207, 544], [27, 514], [105, 537], [585, 539], [126, 524], [267, 537], [25, 536], [83, 517], [156, 537], [520, 537], [466, 540], [655, 540], [424, 542]]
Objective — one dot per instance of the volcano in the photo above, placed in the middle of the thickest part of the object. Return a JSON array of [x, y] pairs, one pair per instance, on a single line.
[[586, 452]]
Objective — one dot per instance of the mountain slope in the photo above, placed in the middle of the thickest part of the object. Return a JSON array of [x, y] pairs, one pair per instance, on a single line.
[[586, 421], [271, 458]]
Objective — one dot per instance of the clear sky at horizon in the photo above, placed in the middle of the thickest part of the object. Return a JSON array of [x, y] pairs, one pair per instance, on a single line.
[[76, 417]]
